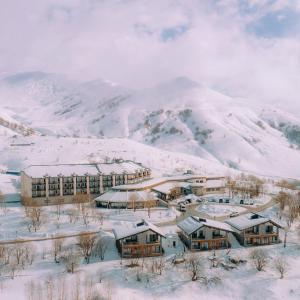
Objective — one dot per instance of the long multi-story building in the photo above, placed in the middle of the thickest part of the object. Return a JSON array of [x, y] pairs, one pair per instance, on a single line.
[[68, 183]]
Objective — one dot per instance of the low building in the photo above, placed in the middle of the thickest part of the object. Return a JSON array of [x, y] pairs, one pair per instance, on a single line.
[[254, 229], [204, 234], [127, 199], [199, 186], [215, 186], [138, 239], [170, 190], [67, 183]]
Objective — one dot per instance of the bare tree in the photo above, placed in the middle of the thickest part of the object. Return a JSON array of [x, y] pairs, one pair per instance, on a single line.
[[35, 218], [101, 246], [194, 266], [281, 266], [72, 214], [57, 247], [86, 243], [49, 288], [3, 203], [19, 253], [149, 203], [60, 201], [259, 258], [70, 258], [133, 200], [85, 213], [158, 265]]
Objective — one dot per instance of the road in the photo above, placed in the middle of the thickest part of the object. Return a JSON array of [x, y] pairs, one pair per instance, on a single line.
[[191, 211]]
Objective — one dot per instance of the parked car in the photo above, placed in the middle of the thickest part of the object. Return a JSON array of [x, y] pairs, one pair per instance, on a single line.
[[234, 214], [182, 207]]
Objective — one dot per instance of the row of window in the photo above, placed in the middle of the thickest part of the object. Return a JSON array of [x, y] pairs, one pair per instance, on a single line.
[[55, 180]]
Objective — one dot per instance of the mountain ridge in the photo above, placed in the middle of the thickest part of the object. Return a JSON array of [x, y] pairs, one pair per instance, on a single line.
[[179, 115]]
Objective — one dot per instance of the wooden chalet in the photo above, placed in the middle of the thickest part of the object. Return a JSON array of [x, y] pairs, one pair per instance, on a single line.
[[138, 239], [204, 234]]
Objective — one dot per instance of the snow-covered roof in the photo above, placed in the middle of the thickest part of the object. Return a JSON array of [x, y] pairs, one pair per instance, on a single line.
[[39, 171], [125, 196], [164, 184], [126, 229], [214, 183], [193, 223], [166, 188], [128, 167], [249, 220]]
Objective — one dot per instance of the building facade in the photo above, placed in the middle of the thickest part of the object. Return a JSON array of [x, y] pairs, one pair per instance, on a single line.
[[204, 234], [138, 239], [253, 229], [68, 183]]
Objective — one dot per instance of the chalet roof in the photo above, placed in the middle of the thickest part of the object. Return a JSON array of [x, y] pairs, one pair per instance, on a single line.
[[125, 196], [249, 220], [193, 223], [126, 229], [39, 171], [166, 188]]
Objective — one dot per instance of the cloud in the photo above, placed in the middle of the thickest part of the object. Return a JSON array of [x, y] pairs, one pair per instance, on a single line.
[[247, 48]]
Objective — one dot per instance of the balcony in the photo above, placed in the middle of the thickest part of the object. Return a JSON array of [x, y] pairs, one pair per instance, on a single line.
[[218, 236], [200, 237]]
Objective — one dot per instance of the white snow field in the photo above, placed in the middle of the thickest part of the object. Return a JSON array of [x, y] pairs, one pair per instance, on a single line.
[[218, 210]]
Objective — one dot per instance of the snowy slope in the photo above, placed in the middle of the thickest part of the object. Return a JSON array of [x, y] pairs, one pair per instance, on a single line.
[[18, 152], [180, 115]]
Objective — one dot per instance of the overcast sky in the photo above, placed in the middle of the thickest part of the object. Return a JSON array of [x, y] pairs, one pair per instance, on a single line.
[[245, 47]]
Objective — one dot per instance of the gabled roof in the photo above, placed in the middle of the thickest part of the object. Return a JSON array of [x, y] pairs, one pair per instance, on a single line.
[[193, 223], [126, 229], [249, 220]]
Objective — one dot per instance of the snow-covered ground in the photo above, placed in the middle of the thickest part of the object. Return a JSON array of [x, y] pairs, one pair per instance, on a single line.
[[218, 210], [14, 223], [113, 279]]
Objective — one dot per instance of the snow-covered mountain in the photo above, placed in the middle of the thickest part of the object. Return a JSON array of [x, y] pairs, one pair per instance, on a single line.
[[180, 115]]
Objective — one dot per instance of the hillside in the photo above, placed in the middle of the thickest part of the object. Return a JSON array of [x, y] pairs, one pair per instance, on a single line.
[[180, 115]]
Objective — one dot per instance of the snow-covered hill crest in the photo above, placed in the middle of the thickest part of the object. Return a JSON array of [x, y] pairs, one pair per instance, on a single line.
[[180, 115]]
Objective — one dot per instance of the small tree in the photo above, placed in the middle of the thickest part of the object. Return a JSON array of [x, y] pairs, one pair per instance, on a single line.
[[281, 266], [101, 246], [86, 243], [35, 217], [3, 203], [57, 245], [194, 266], [133, 200], [70, 258], [259, 258]]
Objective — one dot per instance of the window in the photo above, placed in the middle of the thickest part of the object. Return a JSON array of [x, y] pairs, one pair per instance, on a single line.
[[153, 238], [216, 232], [131, 239], [269, 229]]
